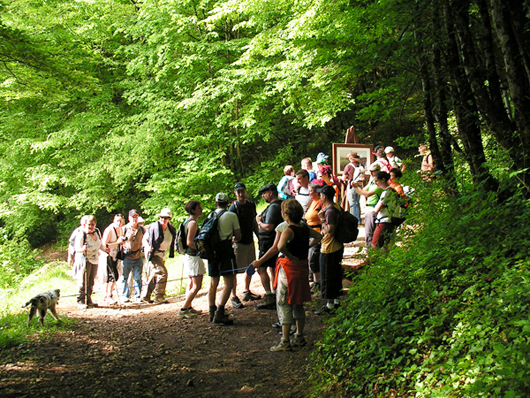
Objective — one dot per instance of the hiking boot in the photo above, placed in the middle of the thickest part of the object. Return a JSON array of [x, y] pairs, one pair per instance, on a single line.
[[298, 341], [221, 318], [161, 300], [92, 305], [284, 345], [212, 310], [186, 313], [268, 303], [146, 300], [236, 303], [249, 296], [315, 287]]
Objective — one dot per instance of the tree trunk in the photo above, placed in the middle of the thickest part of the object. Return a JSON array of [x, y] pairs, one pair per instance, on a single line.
[[466, 113], [518, 82], [491, 108]]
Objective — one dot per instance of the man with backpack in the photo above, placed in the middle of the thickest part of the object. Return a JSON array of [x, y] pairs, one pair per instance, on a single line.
[[244, 249], [223, 262], [131, 239], [267, 223], [160, 238]]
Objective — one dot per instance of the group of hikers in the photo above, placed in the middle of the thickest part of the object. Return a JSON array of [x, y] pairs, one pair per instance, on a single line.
[[295, 236]]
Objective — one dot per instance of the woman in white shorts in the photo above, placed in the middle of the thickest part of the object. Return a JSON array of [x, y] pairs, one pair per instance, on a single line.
[[193, 264]]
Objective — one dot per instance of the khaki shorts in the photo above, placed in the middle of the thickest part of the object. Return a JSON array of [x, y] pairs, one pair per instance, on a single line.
[[245, 254]]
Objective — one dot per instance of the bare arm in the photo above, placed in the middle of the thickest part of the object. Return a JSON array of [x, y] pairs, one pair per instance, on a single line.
[[237, 235], [192, 231], [285, 238], [273, 251]]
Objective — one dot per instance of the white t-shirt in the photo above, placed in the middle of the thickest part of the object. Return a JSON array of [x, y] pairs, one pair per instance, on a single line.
[[227, 224], [302, 196], [395, 162]]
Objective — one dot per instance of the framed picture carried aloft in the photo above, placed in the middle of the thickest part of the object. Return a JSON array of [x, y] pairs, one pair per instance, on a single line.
[[340, 156]]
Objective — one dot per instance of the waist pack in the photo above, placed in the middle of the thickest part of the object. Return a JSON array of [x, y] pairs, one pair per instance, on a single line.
[[208, 238]]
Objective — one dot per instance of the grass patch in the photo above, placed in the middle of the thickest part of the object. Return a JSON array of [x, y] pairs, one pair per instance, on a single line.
[[13, 318]]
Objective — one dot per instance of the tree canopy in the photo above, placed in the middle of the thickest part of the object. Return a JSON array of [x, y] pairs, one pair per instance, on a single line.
[[113, 104]]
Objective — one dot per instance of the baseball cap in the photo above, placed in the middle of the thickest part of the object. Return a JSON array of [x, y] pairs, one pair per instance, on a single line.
[[133, 212], [389, 149], [221, 197], [239, 186], [327, 190]]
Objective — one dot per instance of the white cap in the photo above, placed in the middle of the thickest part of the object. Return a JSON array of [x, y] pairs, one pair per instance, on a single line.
[[389, 149], [165, 213], [221, 197]]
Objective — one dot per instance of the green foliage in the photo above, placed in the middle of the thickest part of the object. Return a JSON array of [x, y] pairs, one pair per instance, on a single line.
[[17, 260], [444, 312], [13, 319]]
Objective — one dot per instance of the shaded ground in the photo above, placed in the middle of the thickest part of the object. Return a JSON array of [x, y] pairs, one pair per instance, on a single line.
[[146, 350]]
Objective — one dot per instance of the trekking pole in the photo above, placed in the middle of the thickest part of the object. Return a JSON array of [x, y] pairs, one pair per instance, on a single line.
[[86, 283]]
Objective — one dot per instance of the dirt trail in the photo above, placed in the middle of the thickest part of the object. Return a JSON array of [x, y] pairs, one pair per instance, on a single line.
[[147, 350]]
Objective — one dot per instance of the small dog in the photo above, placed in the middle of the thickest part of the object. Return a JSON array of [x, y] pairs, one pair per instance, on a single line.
[[44, 302]]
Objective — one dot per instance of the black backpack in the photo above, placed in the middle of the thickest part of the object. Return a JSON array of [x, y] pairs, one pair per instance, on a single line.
[[347, 229], [208, 238]]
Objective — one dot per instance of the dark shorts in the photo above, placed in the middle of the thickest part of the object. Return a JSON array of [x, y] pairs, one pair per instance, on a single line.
[[271, 263], [224, 262]]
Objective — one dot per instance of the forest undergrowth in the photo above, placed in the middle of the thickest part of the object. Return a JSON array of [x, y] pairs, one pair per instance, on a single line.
[[443, 313]]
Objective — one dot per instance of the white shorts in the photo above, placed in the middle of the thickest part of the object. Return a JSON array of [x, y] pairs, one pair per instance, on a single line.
[[193, 265]]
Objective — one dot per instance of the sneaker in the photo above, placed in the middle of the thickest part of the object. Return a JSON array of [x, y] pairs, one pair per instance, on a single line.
[[186, 313], [298, 341], [126, 300], [193, 311], [146, 300], [161, 300], [92, 305], [221, 318], [236, 303], [110, 300], [277, 325], [268, 303], [325, 310], [315, 287], [249, 296], [285, 345]]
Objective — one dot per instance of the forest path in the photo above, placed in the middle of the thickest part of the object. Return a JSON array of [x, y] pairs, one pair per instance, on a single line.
[[147, 350]]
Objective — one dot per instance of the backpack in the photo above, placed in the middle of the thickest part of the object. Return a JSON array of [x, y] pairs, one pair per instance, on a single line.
[[347, 230], [208, 237], [132, 249], [404, 203], [181, 239], [287, 188]]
